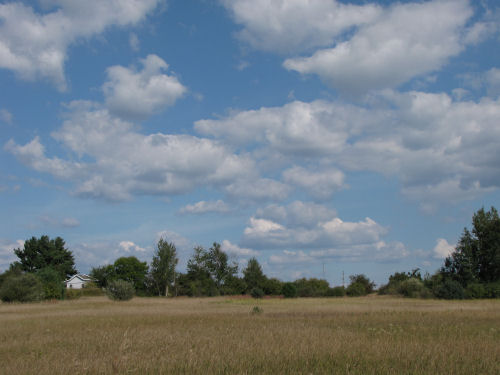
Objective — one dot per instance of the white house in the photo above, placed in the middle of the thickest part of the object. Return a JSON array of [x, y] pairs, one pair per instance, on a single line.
[[78, 281]]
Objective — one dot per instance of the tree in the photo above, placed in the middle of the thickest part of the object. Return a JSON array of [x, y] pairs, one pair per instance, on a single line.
[[209, 272], [163, 265], [477, 255], [360, 285], [218, 266], [253, 275], [132, 270], [102, 275], [39, 253]]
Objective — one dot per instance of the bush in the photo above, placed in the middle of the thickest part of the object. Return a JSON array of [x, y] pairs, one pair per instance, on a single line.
[[450, 289], [364, 281], [412, 287], [22, 288], [356, 290], [53, 285], [475, 290], [289, 290], [493, 290], [257, 293], [257, 310], [338, 291], [120, 290]]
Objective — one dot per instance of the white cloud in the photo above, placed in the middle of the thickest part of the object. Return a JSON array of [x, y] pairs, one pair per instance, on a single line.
[[320, 184], [260, 189], [155, 164], [7, 255], [5, 116], [129, 246], [325, 235], [405, 41], [492, 78], [235, 250], [204, 207], [274, 25], [443, 249], [136, 95], [34, 45], [297, 129], [442, 150]]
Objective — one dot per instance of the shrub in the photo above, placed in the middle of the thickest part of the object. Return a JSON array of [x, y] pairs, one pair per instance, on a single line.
[[53, 285], [22, 288], [72, 293], [493, 290], [475, 290], [411, 287], [257, 310], [338, 291], [289, 290], [356, 290], [450, 289], [120, 290], [257, 293]]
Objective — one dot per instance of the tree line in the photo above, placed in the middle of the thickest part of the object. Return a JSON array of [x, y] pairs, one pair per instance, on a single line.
[[471, 271]]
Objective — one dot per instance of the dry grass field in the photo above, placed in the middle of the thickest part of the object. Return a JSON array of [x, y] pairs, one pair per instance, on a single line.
[[369, 335]]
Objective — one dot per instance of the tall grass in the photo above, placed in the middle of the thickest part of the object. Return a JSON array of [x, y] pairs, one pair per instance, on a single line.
[[368, 335]]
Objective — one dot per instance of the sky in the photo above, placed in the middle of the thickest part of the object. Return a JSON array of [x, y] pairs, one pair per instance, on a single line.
[[323, 137]]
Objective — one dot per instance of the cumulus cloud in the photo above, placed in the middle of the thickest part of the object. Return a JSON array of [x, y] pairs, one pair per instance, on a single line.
[[129, 246], [155, 164], [442, 150], [237, 251], [204, 207], [443, 249], [404, 41], [7, 255], [34, 45], [320, 184], [260, 189], [325, 235], [136, 95], [272, 25]]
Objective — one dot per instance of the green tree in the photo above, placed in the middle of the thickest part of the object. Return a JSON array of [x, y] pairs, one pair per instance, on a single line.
[[200, 282], [360, 285], [218, 266], [163, 265], [477, 255], [39, 253], [132, 270], [253, 275], [102, 275], [210, 273]]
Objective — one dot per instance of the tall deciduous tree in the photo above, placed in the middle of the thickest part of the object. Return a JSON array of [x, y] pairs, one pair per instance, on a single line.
[[477, 255], [163, 265], [209, 271], [40, 253], [132, 270]]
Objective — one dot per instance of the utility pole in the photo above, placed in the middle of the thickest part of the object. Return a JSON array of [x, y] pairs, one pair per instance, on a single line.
[[343, 284]]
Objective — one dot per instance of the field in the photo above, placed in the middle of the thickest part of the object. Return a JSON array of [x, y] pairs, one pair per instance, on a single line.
[[368, 335]]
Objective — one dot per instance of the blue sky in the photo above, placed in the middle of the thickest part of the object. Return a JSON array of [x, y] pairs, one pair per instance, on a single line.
[[314, 135]]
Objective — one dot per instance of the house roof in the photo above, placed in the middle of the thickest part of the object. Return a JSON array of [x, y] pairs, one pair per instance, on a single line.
[[81, 276]]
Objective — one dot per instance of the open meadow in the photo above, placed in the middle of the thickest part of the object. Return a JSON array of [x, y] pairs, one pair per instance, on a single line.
[[367, 335]]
